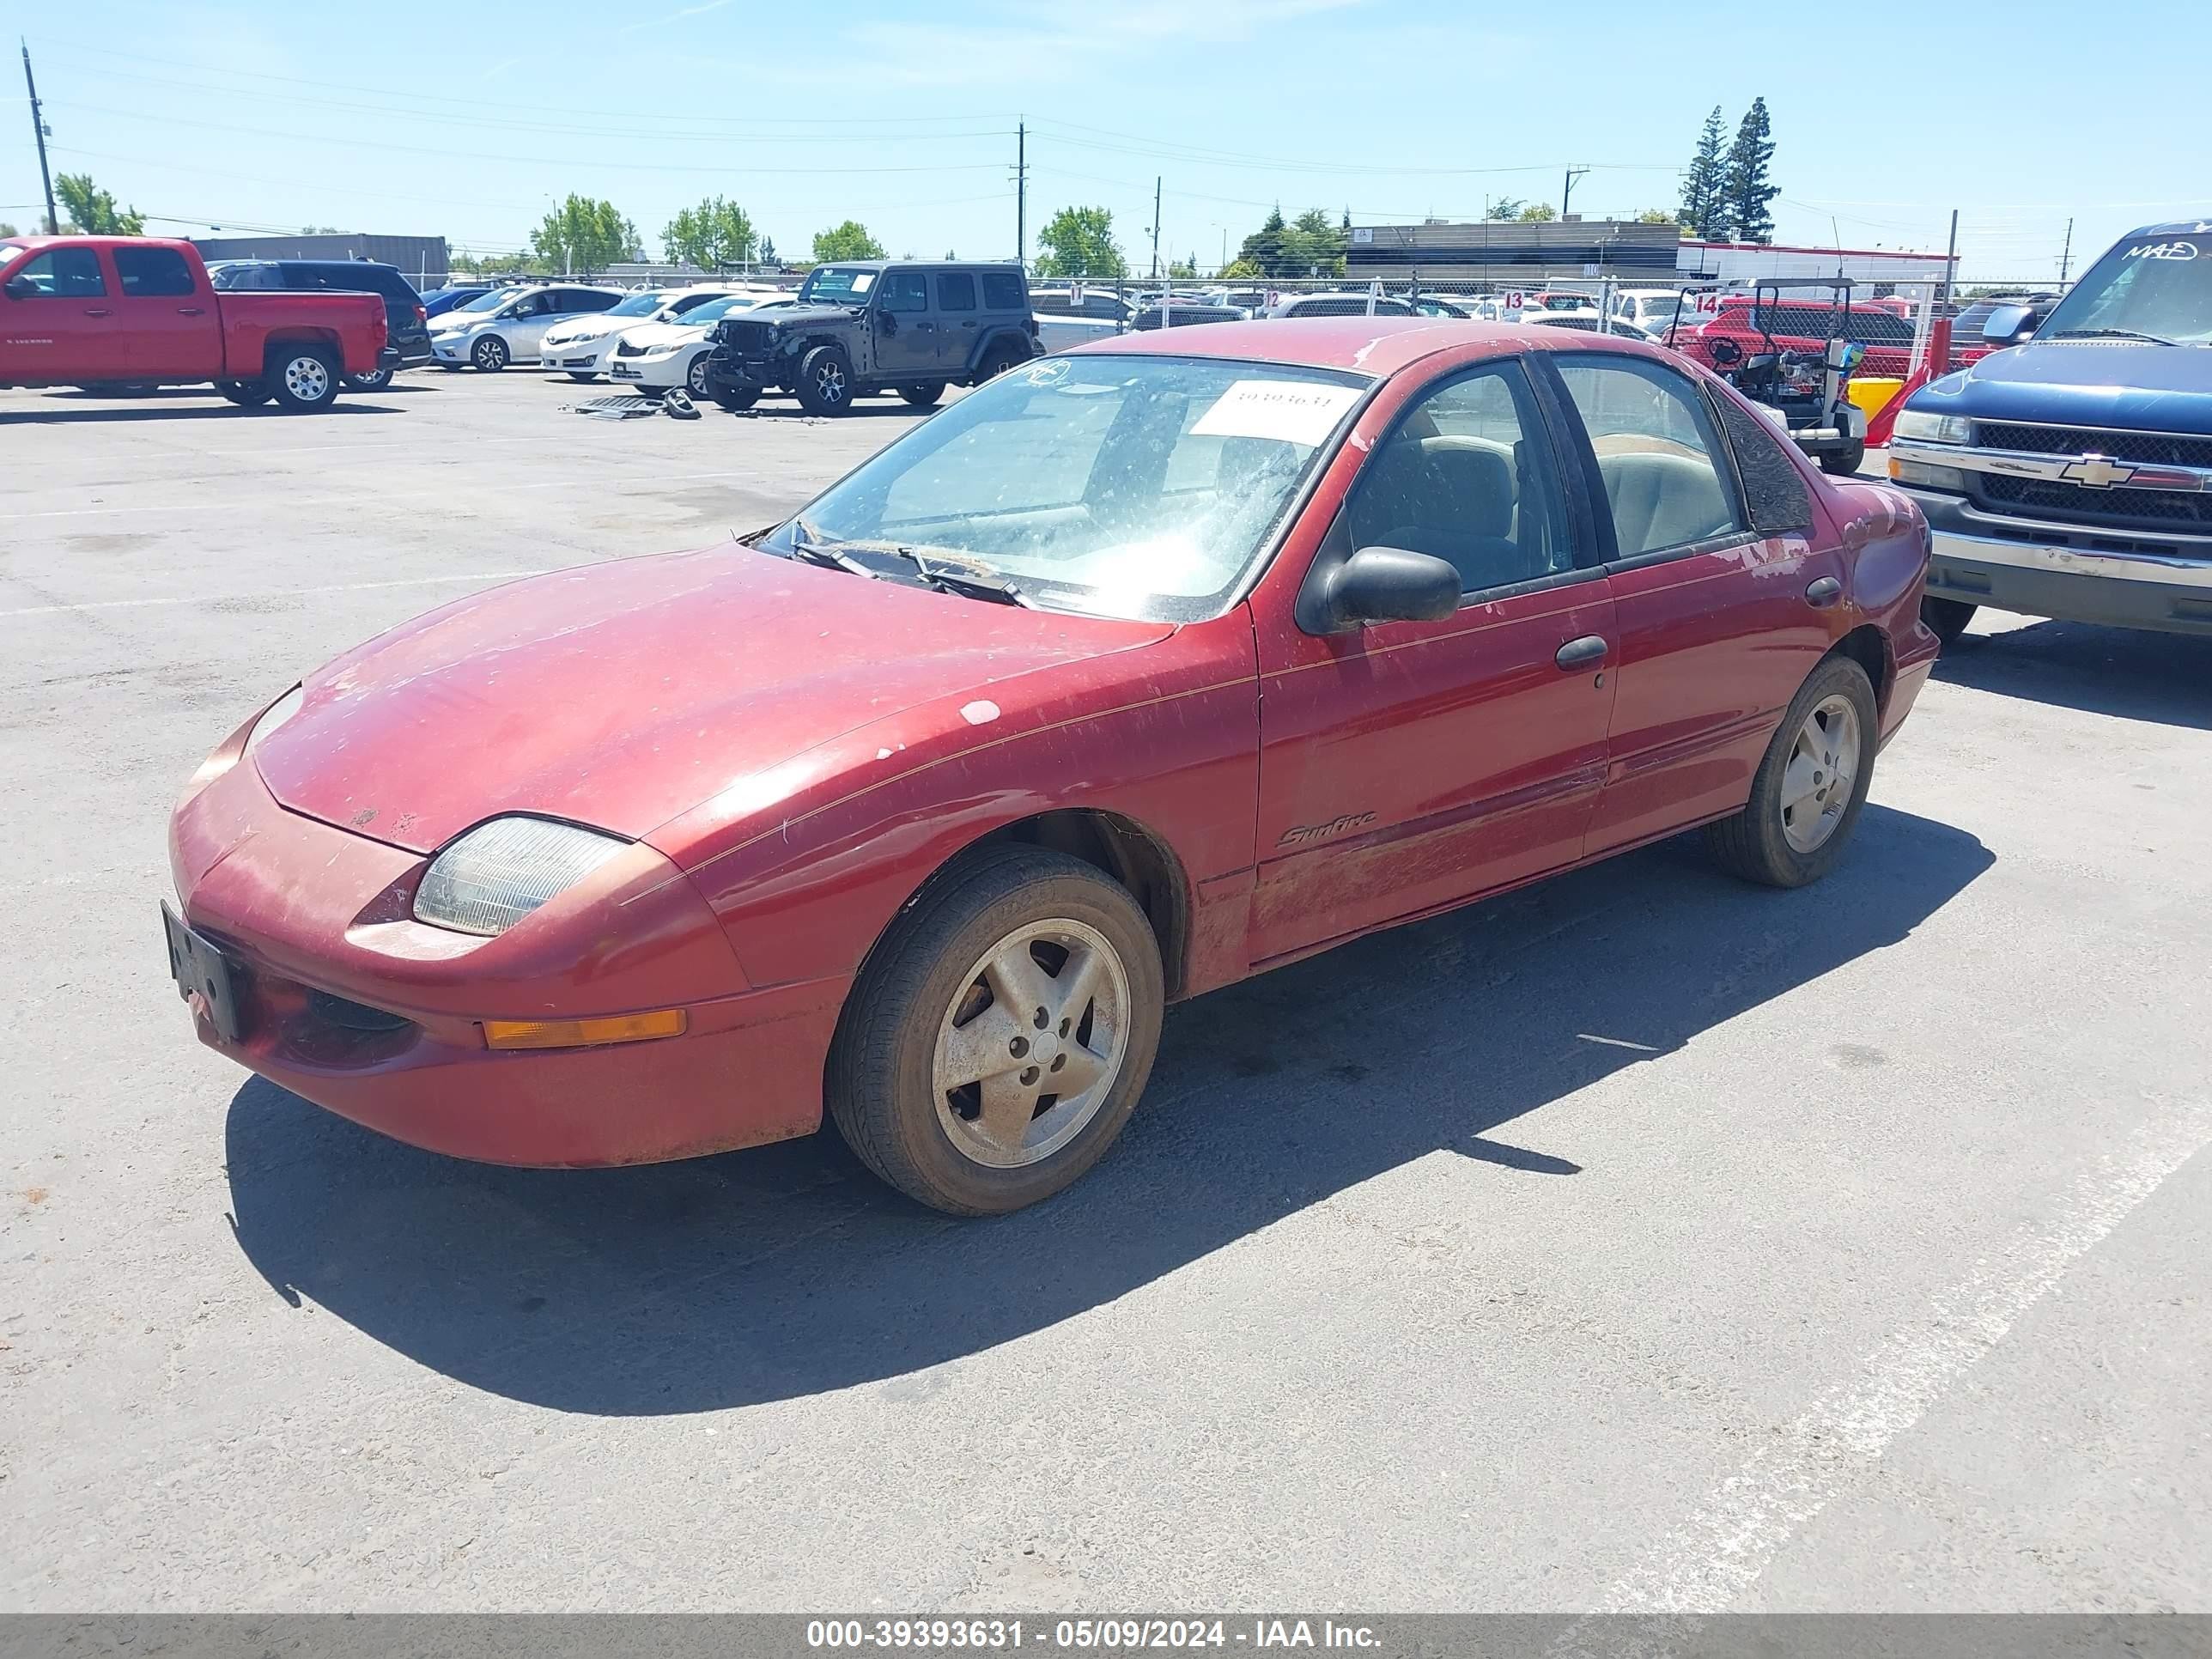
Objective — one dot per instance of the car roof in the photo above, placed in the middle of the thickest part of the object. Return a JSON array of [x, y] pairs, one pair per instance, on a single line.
[[1381, 346]]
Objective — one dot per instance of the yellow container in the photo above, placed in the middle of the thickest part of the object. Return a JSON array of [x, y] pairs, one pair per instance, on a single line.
[[1873, 393]]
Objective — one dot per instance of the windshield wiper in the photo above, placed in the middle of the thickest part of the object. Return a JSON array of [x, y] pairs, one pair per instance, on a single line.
[[2111, 334], [809, 548], [971, 581]]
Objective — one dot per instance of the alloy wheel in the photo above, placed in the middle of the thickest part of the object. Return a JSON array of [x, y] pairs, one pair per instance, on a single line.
[[1816, 783], [1030, 1050]]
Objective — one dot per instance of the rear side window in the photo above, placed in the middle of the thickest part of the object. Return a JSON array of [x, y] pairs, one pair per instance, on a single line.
[[955, 291], [587, 298], [1002, 291], [59, 273], [1666, 476], [150, 273]]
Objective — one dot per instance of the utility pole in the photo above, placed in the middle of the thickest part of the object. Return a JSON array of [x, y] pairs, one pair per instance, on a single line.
[[1157, 182], [1022, 195], [2066, 258], [39, 127], [1568, 189]]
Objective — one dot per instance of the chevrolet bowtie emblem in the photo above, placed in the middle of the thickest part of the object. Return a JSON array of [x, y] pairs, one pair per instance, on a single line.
[[2097, 472]]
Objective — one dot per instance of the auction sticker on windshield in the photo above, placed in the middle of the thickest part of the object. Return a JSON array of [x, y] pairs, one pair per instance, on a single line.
[[1292, 411]]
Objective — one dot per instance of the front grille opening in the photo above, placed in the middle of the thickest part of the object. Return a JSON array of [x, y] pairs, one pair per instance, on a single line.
[[349, 1016], [2146, 507]]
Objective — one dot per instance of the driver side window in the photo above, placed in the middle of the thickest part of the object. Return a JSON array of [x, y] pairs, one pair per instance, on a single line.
[[1468, 475], [906, 290]]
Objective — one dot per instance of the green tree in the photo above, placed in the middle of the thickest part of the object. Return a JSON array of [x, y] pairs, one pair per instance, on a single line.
[[1240, 270], [849, 240], [1078, 241], [1537, 213], [6, 229], [715, 233], [583, 236], [1744, 190], [1183, 270], [92, 210], [1314, 247], [1704, 210], [1656, 216], [320, 230], [1508, 207]]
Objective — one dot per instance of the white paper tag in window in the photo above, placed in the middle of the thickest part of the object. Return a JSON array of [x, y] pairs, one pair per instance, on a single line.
[[1292, 411]]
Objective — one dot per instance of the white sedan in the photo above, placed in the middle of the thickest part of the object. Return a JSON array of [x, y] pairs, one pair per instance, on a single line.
[[659, 356], [579, 347], [507, 324]]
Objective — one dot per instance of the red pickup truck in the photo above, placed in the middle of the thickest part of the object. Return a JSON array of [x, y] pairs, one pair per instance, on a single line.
[[136, 311]]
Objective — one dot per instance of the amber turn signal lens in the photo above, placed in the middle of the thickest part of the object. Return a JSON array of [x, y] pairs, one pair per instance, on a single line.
[[582, 1033]]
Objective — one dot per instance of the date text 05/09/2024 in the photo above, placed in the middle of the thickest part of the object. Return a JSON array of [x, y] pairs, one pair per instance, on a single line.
[[1111, 1635]]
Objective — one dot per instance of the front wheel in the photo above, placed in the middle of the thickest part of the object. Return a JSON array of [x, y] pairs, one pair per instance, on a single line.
[[922, 396], [375, 380], [825, 381], [304, 380], [1843, 463], [1807, 793], [1946, 619], [998, 1040], [695, 378], [735, 398], [489, 354]]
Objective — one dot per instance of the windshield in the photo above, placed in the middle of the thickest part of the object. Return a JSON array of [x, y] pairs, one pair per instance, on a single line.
[[490, 300], [700, 316], [638, 305], [837, 285], [1652, 307], [1139, 487], [2159, 286]]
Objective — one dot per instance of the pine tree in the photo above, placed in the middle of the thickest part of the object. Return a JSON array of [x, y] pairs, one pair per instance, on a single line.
[[1744, 189], [1703, 215]]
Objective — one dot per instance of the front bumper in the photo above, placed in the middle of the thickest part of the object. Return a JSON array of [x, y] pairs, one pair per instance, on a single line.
[[575, 356], [2075, 571], [317, 922], [660, 371], [451, 349]]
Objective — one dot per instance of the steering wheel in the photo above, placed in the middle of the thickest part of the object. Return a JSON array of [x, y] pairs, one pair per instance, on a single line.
[[1726, 353]]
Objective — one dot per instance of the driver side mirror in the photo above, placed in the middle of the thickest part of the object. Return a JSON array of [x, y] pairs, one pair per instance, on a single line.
[[1390, 584], [2006, 325], [22, 288]]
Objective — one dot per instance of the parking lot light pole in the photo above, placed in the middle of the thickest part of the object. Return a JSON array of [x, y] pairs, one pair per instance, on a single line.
[[38, 129]]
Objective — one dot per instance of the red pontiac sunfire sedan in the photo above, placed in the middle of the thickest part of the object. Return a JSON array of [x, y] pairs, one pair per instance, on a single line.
[[1139, 670]]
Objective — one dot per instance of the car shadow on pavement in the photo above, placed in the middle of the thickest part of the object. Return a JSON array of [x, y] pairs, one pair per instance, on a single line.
[[787, 1270], [213, 410], [2125, 672]]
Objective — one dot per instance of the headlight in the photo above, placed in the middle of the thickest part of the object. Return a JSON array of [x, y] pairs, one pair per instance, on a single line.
[[275, 715], [500, 871], [1928, 428]]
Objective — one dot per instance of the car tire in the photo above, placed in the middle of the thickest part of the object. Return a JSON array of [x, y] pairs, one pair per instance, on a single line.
[[1946, 619], [582, 379], [247, 394], [1001, 359], [738, 399], [935, 1003], [695, 377], [489, 354], [1811, 786], [375, 381], [825, 381], [1843, 463], [923, 396], [303, 378]]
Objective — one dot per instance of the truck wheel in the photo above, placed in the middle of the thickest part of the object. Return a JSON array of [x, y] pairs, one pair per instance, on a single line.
[[922, 396], [1001, 359], [1946, 619], [247, 394], [1809, 790], [303, 378], [736, 398], [825, 381], [1842, 463], [999, 1037], [489, 355], [375, 381]]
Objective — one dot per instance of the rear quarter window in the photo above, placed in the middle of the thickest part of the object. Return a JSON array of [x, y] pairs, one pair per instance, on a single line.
[[1002, 291]]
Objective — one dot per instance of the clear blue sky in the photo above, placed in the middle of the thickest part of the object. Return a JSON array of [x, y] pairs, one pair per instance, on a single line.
[[902, 113]]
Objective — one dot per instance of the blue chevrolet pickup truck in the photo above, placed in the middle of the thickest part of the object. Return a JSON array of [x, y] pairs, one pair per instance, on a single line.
[[2071, 475]]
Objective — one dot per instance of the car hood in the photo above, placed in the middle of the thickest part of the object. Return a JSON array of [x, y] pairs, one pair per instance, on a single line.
[[623, 695], [2083, 383], [580, 328], [798, 316], [647, 336]]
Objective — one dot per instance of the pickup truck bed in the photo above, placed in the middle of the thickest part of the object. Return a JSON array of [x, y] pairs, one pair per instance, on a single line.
[[123, 311]]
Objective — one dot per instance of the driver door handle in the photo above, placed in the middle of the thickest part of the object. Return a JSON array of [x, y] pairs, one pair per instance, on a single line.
[[97, 311], [1583, 652], [192, 311], [1823, 593]]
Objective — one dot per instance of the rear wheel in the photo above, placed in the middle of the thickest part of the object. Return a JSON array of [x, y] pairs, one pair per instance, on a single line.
[[1001, 359], [375, 381], [825, 381], [247, 394], [922, 396], [489, 354], [1947, 618], [998, 1040], [1808, 791], [303, 378]]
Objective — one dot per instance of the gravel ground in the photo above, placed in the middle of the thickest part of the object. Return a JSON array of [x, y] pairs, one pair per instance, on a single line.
[[1637, 1240]]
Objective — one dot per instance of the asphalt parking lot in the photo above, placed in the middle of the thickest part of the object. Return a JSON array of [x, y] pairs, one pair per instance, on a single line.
[[1640, 1240]]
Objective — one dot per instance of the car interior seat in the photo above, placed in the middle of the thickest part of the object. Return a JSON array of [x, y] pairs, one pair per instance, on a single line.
[[1662, 500]]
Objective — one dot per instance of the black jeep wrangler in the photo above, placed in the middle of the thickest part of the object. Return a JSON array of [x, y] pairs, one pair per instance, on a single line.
[[877, 326]]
